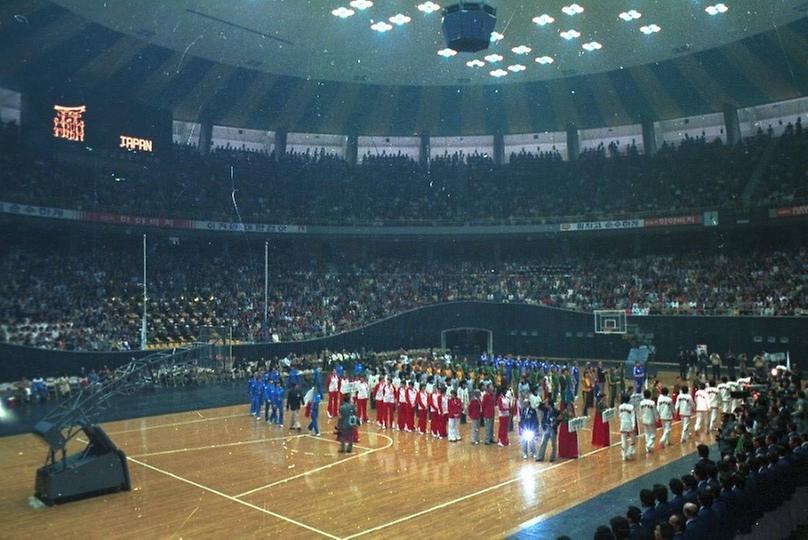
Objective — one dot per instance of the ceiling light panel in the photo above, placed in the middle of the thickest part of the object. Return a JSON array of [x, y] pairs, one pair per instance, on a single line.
[[475, 63], [650, 29], [381, 27], [516, 68], [521, 49], [543, 20], [499, 73], [428, 7], [447, 53], [342, 12], [716, 9], [545, 60], [630, 15], [572, 9], [361, 4], [399, 19], [493, 58], [496, 36], [570, 34]]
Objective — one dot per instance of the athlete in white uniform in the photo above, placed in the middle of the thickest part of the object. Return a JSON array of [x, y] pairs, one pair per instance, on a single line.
[[648, 418], [665, 410], [628, 423], [685, 406]]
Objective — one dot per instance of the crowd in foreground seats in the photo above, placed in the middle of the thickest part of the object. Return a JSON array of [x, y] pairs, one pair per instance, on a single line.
[[321, 188], [92, 300], [757, 487]]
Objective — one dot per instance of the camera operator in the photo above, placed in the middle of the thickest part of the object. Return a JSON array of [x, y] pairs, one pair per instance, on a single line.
[[726, 436]]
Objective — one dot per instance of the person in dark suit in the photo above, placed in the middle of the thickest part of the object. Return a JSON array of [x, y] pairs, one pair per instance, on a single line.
[[677, 522], [663, 508], [635, 529], [694, 528], [706, 515], [648, 519], [620, 527], [346, 424], [704, 454], [677, 501], [690, 493]]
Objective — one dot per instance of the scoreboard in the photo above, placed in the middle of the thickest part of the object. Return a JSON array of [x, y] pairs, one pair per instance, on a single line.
[[84, 123]]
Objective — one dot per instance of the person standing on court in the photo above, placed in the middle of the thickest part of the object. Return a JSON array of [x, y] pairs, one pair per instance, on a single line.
[[550, 420], [474, 413], [314, 411], [685, 406], [628, 424], [639, 377], [346, 424], [648, 419], [293, 401], [665, 410], [489, 408]]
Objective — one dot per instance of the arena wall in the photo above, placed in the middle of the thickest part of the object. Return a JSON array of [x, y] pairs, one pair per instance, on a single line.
[[516, 328]]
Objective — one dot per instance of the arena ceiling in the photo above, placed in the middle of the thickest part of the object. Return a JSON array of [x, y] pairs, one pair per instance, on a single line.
[[293, 64]]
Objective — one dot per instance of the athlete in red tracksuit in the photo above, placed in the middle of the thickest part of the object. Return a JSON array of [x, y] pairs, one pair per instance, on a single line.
[[378, 395], [423, 409], [411, 396], [434, 413], [444, 416], [333, 384], [362, 395], [403, 406], [389, 403]]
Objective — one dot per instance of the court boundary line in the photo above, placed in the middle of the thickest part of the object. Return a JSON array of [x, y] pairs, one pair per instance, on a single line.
[[196, 421], [233, 499], [318, 469], [517, 478], [214, 446]]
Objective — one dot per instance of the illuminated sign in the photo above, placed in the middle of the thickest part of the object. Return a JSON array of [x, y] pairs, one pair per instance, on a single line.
[[68, 124], [136, 143]]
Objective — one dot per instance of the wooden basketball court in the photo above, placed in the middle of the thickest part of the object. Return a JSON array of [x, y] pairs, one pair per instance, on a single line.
[[222, 473]]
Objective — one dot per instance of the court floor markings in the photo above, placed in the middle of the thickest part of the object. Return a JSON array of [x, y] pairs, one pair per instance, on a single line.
[[233, 499], [521, 476], [318, 469], [174, 424], [213, 446]]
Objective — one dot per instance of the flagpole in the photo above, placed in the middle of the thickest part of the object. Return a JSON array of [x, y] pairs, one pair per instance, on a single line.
[[266, 286], [143, 336]]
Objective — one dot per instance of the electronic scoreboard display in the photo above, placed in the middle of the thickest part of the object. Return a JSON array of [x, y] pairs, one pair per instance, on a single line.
[[84, 123]]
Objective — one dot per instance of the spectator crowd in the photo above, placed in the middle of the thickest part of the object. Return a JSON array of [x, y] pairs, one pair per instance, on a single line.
[[321, 188], [77, 299]]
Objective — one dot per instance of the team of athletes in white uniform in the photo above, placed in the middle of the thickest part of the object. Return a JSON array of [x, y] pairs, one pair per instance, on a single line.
[[639, 413]]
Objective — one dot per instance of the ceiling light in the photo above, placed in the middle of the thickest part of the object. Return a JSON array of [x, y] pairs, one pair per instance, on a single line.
[[570, 34], [496, 36], [543, 19], [381, 27], [399, 19], [475, 63], [545, 60], [716, 9], [342, 12], [428, 7], [592, 46], [446, 53], [522, 49], [572, 9], [361, 4], [650, 29], [630, 15], [516, 68], [493, 58], [499, 73]]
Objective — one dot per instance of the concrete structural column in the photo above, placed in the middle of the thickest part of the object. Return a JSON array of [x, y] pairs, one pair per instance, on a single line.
[[205, 136], [352, 149], [424, 150], [499, 148], [573, 142], [280, 143], [732, 125], [649, 142]]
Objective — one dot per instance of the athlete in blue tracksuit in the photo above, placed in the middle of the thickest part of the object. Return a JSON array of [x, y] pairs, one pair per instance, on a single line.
[[278, 403], [315, 411], [294, 378], [639, 377], [254, 392], [576, 379], [267, 389]]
